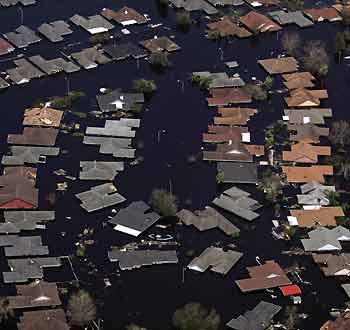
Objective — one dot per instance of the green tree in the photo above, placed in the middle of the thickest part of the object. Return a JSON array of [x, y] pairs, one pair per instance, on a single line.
[[339, 134], [268, 83], [291, 43], [220, 177], [257, 92], [164, 202], [194, 316], [271, 185], [316, 59], [145, 86], [294, 5], [159, 60], [333, 197], [202, 82], [5, 310], [81, 309], [214, 35], [340, 44], [183, 20]]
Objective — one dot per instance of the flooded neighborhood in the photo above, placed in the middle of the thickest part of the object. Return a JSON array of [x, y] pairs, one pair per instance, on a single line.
[[175, 164]]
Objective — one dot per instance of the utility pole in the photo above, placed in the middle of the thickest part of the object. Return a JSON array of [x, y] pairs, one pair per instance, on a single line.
[[182, 85], [21, 14], [221, 54], [67, 85]]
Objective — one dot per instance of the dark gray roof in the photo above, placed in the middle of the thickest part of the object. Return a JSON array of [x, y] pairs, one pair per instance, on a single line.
[[94, 170], [93, 24], [117, 100], [90, 58], [54, 66], [22, 37], [136, 259], [100, 197], [24, 269], [134, 219], [21, 155], [238, 172], [9, 3], [220, 79], [23, 72], [192, 5], [118, 147], [16, 246], [238, 202], [226, 2], [55, 31], [122, 51], [207, 219], [219, 260], [115, 128], [15, 221], [257, 319]]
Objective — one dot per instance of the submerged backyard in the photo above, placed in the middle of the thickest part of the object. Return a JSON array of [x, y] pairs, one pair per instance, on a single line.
[[176, 164]]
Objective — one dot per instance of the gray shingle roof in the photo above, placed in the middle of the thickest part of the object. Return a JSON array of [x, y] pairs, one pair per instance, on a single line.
[[295, 17], [24, 269], [23, 72], [219, 260], [136, 259], [9, 3], [257, 319], [123, 51], [192, 5], [93, 24], [117, 100], [54, 66], [55, 31], [220, 79], [22, 37], [90, 58], [118, 147], [16, 246], [94, 170], [99, 197], [115, 128], [238, 202], [21, 155], [238, 172]]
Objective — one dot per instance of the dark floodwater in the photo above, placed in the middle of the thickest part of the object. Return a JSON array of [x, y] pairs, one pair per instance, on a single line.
[[149, 296]]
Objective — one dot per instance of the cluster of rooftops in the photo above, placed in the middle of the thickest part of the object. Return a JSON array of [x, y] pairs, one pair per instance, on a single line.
[[26, 69]]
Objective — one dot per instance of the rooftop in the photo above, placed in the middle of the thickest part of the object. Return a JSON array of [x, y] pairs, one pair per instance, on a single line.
[[279, 65], [234, 116], [303, 174], [158, 44], [93, 24], [98, 170], [54, 66], [238, 202], [123, 51], [257, 22], [136, 259], [99, 197], [21, 155], [207, 219], [227, 95], [333, 265], [115, 128], [16, 246], [308, 133], [303, 97], [238, 172], [215, 259], [43, 320], [125, 16], [34, 136], [302, 152], [22, 37], [227, 28], [5, 47], [314, 116], [266, 276], [42, 117], [90, 58], [292, 17], [134, 219], [117, 100], [55, 31], [23, 72], [323, 14], [193, 5]]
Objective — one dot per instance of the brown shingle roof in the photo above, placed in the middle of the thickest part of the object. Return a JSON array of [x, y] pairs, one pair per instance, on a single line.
[[298, 80], [302, 97], [333, 265], [308, 133], [234, 152], [218, 134], [124, 15], [234, 116], [307, 174], [228, 95], [325, 216], [259, 23], [52, 319], [341, 323], [226, 27], [279, 65], [35, 294], [268, 275], [34, 136], [305, 153], [320, 14], [42, 117], [160, 44], [18, 183]]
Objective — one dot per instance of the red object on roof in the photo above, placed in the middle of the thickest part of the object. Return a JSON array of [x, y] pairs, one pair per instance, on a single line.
[[290, 290]]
